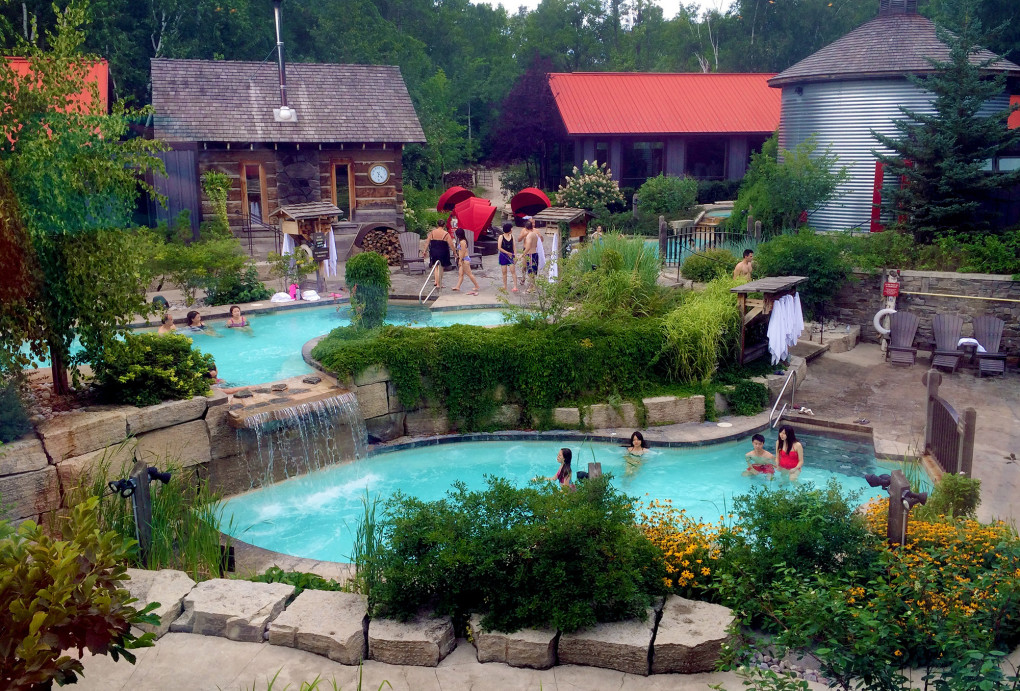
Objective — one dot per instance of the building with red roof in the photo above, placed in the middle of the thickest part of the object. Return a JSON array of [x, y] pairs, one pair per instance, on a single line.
[[643, 124], [99, 74]]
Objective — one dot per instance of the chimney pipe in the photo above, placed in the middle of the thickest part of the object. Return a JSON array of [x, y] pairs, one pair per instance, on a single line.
[[284, 113]]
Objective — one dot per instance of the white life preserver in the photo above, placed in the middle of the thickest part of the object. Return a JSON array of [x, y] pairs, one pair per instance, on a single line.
[[879, 316]]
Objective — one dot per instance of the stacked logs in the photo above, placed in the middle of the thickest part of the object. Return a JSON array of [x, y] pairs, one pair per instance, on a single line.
[[386, 243]]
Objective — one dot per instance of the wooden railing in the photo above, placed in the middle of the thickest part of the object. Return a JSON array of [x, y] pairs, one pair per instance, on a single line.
[[948, 436]]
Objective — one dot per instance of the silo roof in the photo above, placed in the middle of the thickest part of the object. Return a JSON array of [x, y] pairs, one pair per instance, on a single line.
[[892, 45]]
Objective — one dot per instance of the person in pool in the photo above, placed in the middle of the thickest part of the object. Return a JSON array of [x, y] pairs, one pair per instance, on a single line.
[[790, 453], [564, 473], [637, 445], [166, 325], [236, 321], [759, 461], [195, 325]]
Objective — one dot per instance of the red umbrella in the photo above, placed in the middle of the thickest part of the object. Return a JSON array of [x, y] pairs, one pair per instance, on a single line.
[[474, 214], [529, 202], [453, 196]]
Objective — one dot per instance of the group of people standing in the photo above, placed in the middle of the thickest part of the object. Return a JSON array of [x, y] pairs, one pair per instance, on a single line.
[[525, 251]]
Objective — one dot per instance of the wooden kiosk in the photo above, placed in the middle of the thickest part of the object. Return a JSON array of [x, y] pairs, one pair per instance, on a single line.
[[576, 219], [752, 309], [309, 224]]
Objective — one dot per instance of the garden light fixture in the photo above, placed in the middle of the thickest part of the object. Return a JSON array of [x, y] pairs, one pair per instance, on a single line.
[[882, 481]]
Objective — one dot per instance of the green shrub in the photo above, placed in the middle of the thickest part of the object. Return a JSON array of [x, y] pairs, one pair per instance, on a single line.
[[216, 186], [990, 254], [237, 288], [710, 191], [522, 557], [467, 366], [805, 253], [300, 580], [368, 279], [748, 397], [644, 224], [709, 265], [667, 194], [612, 260], [955, 496], [59, 594], [292, 267], [513, 179], [145, 369], [14, 420], [702, 333]]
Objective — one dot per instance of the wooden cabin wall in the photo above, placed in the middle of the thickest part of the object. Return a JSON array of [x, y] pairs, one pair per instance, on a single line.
[[367, 194]]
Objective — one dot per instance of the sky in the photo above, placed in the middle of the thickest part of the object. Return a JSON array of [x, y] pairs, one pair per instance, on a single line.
[[669, 7]]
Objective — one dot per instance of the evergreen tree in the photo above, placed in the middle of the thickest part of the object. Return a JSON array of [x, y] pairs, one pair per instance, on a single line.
[[941, 156]]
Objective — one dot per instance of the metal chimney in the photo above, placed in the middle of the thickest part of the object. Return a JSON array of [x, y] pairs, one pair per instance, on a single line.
[[887, 7], [284, 113]]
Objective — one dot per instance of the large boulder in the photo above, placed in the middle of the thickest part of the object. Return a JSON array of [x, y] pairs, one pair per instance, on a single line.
[[526, 648], [22, 456], [690, 636], [326, 623], [85, 430], [238, 610], [167, 587], [424, 641], [165, 414], [619, 645]]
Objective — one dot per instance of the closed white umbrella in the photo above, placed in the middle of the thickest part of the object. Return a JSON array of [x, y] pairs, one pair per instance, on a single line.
[[554, 266]]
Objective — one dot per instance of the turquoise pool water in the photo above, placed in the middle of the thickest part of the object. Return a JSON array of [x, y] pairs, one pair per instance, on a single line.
[[315, 515], [271, 349]]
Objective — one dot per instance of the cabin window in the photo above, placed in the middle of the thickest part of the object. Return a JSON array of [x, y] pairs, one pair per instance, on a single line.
[[1009, 163], [706, 158], [342, 187], [602, 153], [253, 192], [641, 160]]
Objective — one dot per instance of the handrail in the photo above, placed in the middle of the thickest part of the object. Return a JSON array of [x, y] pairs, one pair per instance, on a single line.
[[793, 394], [773, 423], [421, 300]]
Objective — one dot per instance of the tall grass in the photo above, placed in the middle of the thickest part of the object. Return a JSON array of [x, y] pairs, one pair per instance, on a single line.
[[638, 258], [186, 517], [702, 332], [367, 545]]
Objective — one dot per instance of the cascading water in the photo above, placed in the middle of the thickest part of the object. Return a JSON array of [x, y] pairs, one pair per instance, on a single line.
[[295, 440]]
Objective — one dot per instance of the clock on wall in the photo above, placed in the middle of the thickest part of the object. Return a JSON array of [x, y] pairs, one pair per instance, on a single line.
[[379, 174]]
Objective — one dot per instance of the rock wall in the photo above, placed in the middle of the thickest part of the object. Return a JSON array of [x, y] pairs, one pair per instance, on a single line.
[[36, 471], [858, 302]]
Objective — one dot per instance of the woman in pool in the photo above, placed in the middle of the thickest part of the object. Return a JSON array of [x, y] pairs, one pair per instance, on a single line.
[[236, 321], [637, 445], [166, 325], [790, 453], [564, 473], [195, 325], [465, 262]]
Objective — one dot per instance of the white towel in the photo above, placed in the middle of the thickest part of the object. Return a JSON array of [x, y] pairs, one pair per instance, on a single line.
[[331, 262], [309, 295], [288, 244], [971, 342], [541, 253], [280, 297], [554, 268]]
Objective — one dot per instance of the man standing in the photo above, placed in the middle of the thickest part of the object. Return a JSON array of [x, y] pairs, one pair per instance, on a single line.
[[531, 255], [743, 269]]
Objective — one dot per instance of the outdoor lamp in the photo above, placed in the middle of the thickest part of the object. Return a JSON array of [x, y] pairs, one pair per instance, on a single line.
[[125, 487], [912, 499], [154, 474], [882, 481]]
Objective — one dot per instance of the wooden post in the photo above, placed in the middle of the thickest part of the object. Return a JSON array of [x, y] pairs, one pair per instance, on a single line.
[[594, 470], [967, 444], [663, 232], [757, 230], [931, 379], [141, 501], [741, 308], [897, 528]]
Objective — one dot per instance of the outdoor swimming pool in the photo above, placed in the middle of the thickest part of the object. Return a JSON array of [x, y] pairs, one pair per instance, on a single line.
[[314, 516], [271, 349]]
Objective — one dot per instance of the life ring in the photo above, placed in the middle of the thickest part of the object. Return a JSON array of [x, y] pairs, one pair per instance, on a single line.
[[881, 314]]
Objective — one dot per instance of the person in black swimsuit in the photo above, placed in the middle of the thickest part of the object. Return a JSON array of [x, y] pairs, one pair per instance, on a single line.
[[506, 254], [440, 248]]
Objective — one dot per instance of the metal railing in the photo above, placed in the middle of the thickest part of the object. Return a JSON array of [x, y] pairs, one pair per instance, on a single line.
[[948, 436], [254, 229], [699, 238], [423, 300], [773, 418]]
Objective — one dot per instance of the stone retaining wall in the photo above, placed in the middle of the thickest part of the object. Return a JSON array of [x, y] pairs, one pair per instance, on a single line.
[[859, 300], [37, 470], [387, 419]]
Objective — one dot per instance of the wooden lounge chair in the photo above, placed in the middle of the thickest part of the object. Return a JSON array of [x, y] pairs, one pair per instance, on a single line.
[[409, 247], [902, 329], [947, 328], [988, 332]]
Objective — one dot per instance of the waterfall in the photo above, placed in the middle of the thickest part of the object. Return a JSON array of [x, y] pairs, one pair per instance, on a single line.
[[289, 441]]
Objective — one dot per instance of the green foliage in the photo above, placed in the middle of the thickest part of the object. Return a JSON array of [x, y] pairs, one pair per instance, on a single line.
[[522, 557], [702, 333], [186, 515], [591, 187], [667, 194], [624, 222], [420, 215], [710, 191], [955, 496], [805, 253], [709, 265], [237, 288], [59, 594], [988, 254], [748, 397], [778, 193], [292, 268], [216, 186], [145, 369], [446, 146], [368, 278], [13, 418], [214, 262], [300, 580], [515, 178], [552, 363]]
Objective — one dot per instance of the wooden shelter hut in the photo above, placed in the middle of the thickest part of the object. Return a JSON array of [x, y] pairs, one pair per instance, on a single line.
[[576, 219]]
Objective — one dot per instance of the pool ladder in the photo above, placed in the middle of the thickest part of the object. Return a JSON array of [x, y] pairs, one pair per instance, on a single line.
[[423, 300], [773, 418]]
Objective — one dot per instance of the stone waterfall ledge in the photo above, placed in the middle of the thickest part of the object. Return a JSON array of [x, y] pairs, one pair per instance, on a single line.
[[331, 624], [620, 645], [238, 610], [690, 636], [526, 648], [423, 641], [167, 587]]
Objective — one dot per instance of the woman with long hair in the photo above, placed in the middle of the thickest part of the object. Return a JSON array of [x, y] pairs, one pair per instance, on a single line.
[[563, 475], [465, 262], [790, 453]]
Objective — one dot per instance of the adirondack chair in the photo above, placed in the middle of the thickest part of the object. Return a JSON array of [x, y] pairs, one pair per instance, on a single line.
[[948, 354], [413, 260], [988, 332], [902, 329]]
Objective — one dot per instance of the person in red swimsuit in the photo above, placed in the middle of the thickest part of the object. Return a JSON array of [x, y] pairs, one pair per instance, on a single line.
[[790, 453]]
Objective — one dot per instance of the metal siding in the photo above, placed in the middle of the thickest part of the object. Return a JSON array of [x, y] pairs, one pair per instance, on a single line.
[[179, 186], [843, 114]]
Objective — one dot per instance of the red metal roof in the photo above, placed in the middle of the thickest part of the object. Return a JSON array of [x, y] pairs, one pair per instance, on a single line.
[[661, 103], [99, 72], [1014, 117]]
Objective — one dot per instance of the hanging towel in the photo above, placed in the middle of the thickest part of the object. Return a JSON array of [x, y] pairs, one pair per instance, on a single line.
[[331, 262], [786, 324], [541, 253], [288, 244], [798, 319], [554, 269]]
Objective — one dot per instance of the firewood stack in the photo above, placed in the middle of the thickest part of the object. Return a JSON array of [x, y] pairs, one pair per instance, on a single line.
[[386, 243]]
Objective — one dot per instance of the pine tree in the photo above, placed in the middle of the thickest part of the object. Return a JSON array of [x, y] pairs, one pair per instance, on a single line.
[[942, 156]]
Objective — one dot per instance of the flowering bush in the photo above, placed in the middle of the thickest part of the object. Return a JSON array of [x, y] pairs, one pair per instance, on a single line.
[[688, 547], [591, 188]]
